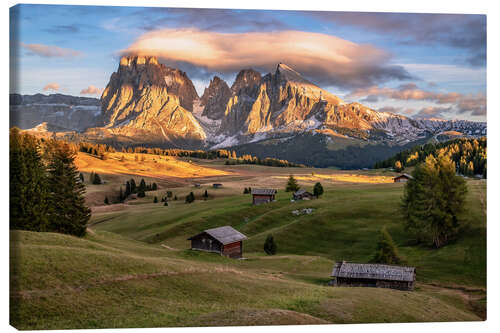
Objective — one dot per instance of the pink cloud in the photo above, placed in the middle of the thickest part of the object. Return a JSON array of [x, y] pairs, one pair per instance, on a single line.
[[474, 103], [51, 86], [50, 51], [91, 90]]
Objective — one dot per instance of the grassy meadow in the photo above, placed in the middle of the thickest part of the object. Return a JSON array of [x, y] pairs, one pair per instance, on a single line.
[[134, 269]]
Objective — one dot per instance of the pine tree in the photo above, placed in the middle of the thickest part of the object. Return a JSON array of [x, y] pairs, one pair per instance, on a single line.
[[154, 187], [155, 200], [28, 184], [269, 245], [97, 179], [141, 194], [142, 186], [292, 185], [165, 204], [205, 195], [190, 197], [175, 197], [245, 191], [318, 189], [68, 212], [106, 201], [121, 197], [133, 187], [387, 252], [127, 190]]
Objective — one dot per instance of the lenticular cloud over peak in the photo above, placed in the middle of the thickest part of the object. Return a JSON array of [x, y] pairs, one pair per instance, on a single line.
[[323, 58]]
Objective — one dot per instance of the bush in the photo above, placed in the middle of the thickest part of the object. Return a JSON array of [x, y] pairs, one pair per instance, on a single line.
[[270, 246]]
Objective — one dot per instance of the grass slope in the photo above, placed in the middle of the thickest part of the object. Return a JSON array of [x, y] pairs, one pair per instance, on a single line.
[[104, 280]]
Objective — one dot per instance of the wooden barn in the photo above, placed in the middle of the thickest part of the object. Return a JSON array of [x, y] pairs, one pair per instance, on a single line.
[[263, 195], [223, 240], [347, 274], [217, 185], [302, 195], [402, 178]]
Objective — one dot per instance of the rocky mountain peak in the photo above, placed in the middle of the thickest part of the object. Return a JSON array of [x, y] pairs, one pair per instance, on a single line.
[[285, 73], [134, 60], [247, 81], [215, 98]]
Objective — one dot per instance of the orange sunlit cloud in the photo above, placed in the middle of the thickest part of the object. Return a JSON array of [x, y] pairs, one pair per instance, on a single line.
[[320, 56]]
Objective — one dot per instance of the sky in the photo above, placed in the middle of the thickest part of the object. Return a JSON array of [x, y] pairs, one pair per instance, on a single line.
[[417, 65]]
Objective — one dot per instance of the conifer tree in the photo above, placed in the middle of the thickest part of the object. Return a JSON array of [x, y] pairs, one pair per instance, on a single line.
[[97, 179], [133, 186], [292, 185], [433, 201], [127, 189], [28, 184], [142, 186], [270, 245], [387, 252], [190, 197], [175, 197], [68, 212], [154, 187], [106, 201], [166, 203], [155, 200], [318, 189], [205, 195], [121, 197]]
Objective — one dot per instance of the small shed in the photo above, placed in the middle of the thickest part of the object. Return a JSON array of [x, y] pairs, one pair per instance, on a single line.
[[402, 178], [223, 240], [217, 185], [347, 274], [262, 195], [302, 195]]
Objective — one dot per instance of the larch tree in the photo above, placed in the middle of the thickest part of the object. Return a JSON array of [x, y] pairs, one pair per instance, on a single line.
[[433, 201]]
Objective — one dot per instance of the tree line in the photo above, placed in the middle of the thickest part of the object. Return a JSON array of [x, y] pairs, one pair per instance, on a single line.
[[101, 151], [46, 192], [469, 156]]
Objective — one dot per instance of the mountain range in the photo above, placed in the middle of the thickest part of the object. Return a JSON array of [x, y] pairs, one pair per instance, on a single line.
[[148, 103]]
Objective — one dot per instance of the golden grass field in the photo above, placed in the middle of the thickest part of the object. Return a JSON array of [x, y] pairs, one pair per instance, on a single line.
[[146, 165]]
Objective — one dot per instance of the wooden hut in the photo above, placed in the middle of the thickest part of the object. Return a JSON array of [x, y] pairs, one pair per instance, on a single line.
[[217, 185], [223, 240], [373, 275], [302, 195], [402, 178], [262, 195]]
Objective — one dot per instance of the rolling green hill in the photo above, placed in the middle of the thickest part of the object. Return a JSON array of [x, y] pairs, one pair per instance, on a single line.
[[134, 269]]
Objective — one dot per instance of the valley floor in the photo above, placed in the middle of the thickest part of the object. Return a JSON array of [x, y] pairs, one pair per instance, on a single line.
[[134, 269]]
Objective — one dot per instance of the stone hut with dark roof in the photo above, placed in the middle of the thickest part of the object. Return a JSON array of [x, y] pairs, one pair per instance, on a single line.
[[223, 240], [262, 195], [347, 274]]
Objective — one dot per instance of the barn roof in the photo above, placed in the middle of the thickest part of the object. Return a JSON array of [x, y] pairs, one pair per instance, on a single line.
[[225, 235], [300, 192], [404, 175], [263, 191], [373, 271]]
